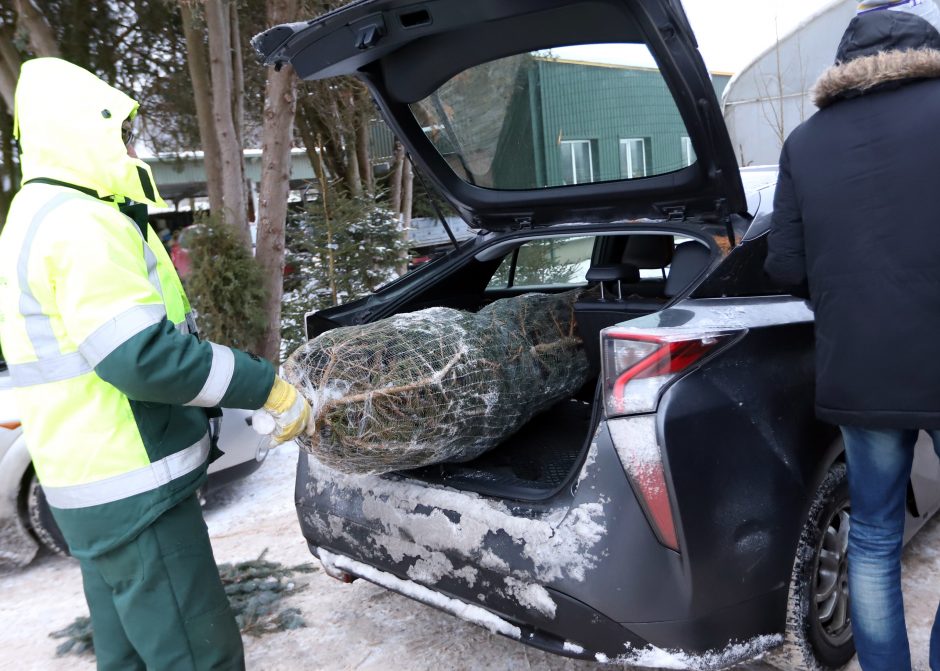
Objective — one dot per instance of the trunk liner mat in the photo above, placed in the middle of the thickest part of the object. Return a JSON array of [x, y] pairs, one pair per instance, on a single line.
[[530, 465]]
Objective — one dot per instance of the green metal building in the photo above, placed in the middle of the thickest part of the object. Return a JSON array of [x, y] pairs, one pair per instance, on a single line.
[[571, 122]]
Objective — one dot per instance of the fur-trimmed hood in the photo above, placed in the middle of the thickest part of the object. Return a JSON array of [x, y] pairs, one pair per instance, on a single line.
[[880, 50], [862, 75]]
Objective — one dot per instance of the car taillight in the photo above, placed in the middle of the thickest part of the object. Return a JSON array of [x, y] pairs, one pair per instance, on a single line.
[[10, 425], [638, 366], [635, 440]]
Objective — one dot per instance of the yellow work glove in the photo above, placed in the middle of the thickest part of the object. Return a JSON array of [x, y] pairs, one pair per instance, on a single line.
[[285, 414]]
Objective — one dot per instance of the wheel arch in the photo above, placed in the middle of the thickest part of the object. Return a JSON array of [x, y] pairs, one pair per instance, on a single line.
[[17, 545]]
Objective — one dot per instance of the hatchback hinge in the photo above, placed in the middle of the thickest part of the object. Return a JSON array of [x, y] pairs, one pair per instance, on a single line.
[[675, 212]]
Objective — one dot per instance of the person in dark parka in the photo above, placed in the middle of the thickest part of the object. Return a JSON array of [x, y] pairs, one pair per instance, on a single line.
[[857, 216]]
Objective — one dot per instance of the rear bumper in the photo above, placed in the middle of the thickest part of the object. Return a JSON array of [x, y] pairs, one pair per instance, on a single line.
[[599, 636], [581, 575]]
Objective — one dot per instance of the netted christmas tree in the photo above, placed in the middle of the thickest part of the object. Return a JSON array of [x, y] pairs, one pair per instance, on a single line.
[[436, 385]]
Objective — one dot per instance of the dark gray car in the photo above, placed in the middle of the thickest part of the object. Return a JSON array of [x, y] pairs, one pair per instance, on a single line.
[[685, 508]]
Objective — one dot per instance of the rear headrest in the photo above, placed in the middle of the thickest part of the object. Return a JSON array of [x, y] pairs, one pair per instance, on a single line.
[[649, 251], [690, 259], [620, 272]]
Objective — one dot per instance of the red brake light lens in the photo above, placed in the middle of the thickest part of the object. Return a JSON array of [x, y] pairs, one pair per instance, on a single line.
[[638, 366], [12, 426]]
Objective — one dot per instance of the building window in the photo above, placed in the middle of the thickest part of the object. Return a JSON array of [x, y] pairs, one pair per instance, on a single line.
[[633, 158], [688, 154], [577, 161]]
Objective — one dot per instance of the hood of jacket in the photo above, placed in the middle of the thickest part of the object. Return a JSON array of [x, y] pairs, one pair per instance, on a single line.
[[879, 51], [68, 123]]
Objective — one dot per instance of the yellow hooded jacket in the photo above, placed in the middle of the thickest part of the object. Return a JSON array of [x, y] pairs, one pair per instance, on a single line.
[[110, 382]]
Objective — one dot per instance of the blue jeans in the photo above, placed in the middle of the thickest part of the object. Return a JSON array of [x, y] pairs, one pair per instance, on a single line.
[[879, 467]]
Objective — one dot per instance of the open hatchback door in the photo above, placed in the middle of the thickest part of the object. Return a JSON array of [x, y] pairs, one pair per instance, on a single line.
[[528, 113]]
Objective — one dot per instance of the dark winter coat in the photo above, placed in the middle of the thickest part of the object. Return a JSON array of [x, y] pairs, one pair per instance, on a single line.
[[857, 214]]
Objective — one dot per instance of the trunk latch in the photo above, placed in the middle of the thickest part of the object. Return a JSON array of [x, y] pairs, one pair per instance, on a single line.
[[369, 31], [675, 212]]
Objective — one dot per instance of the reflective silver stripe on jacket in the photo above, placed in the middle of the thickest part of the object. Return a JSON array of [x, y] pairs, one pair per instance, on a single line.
[[134, 482], [53, 369], [118, 330], [188, 325], [220, 376], [152, 273], [38, 323], [52, 365]]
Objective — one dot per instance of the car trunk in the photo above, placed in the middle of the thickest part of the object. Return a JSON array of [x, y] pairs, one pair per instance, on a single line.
[[533, 464], [629, 276]]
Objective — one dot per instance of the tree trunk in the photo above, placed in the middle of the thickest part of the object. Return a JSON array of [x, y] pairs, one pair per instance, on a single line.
[[280, 103], [395, 184], [407, 198], [311, 123], [202, 93], [7, 84], [238, 102], [353, 178], [363, 140], [238, 78], [30, 22], [10, 63], [234, 199], [328, 220], [275, 185], [407, 203]]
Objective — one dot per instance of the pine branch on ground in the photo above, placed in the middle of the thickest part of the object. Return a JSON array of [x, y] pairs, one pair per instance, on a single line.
[[254, 588]]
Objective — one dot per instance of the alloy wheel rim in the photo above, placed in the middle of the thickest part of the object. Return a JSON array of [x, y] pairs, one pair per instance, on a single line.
[[831, 593]]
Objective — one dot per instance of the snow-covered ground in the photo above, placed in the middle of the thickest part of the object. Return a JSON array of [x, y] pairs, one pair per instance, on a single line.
[[357, 626]]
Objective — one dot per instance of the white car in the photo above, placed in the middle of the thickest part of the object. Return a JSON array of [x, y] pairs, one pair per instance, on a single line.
[[26, 522]]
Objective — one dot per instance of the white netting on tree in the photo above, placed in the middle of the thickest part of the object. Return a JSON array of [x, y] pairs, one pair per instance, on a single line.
[[436, 385]]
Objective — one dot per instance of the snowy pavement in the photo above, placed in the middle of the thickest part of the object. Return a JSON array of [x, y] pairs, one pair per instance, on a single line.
[[357, 626]]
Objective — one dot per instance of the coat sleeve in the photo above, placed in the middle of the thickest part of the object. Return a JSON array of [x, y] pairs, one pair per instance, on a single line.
[[786, 254], [115, 314]]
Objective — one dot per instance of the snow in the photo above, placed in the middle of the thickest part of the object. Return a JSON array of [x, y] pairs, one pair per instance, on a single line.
[[464, 611], [359, 626], [715, 314], [556, 547], [653, 657], [535, 597]]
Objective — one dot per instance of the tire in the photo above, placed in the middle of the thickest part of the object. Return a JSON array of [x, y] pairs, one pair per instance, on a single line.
[[819, 629], [41, 521]]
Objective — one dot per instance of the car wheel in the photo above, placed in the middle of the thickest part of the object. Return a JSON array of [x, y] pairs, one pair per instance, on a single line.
[[819, 627], [42, 522]]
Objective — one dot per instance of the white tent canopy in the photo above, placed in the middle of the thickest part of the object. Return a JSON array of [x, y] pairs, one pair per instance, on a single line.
[[766, 100]]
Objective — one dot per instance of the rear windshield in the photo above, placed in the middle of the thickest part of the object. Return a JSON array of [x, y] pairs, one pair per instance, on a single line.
[[558, 117]]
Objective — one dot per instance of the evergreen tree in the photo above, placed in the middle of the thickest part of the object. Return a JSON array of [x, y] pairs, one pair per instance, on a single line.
[[336, 259]]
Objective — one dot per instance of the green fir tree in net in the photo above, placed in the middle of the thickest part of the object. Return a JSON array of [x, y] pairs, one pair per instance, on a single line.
[[436, 385]]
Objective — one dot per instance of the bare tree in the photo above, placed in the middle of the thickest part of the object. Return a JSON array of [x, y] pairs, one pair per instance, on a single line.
[[235, 201], [10, 63], [280, 102], [398, 167], [197, 61], [31, 23]]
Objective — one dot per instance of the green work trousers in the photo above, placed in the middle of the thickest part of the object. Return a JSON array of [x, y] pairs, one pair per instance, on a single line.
[[157, 602]]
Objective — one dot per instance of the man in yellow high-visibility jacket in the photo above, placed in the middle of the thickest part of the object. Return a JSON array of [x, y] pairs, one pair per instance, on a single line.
[[112, 384]]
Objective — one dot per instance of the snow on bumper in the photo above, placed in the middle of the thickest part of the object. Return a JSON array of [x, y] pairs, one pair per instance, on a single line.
[[464, 611]]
